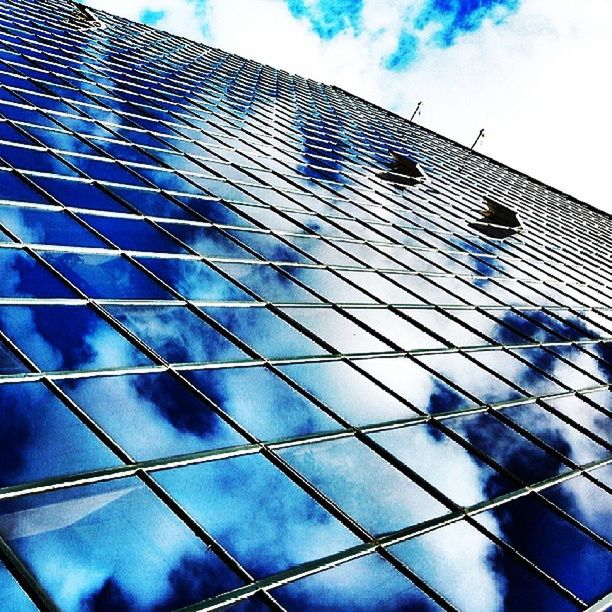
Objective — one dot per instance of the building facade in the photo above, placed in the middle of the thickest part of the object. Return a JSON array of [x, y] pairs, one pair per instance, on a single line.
[[264, 345]]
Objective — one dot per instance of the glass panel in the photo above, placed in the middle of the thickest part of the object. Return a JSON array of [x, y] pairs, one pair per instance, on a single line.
[[364, 485], [22, 277], [556, 433], [511, 450], [107, 276], [474, 574], [80, 194], [207, 241], [13, 189], [194, 280], [350, 394], [583, 413], [9, 364], [269, 284], [416, 385], [116, 545], [397, 329], [265, 521], [134, 234], [338, 331], [13, 597], [554, 545], [444, 463], [585, 501], [46, 227], [369, 583], [446, 327], [68, 338], [151, 415], [151, 203], [176, 334], [261, 402], [263, 331], [40, 438]]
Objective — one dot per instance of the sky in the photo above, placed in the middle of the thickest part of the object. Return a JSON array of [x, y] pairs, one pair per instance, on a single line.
[[530, 72]]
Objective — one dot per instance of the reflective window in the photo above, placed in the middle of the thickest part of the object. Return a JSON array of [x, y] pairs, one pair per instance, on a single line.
[[116, 544], [364, 485], [68, 338], [177, 334], [151, 415], [12, 594], [368, 583], [265, 521], [106, 276]]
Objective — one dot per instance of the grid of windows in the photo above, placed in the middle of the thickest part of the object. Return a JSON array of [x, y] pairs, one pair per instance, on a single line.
[[242, 368]]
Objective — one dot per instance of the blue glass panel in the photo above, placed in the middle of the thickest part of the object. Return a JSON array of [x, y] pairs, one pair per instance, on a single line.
[[38, 160], [269, 246], [329, 285], [511, 450], [23, 276], [46, 227], [474, 574], [134, 234], [151, 415], [583, 413], [67, 338], [556, 546], [195, 280], [106, 276], [207, 241], [263, 331], [337, 330], [13, 597], [152, 203], [9, 134], [269, 284], [564, 438], [397, 329], [177, 334], [116, 545], [9, 364], [214, 211], [444, 463], [261, 402], [40, 438], [80, 194], [15, 190], [265, 521], [364, 485], [418, 386], [104, 170], [349, 393], [363, 585], [585, 501]]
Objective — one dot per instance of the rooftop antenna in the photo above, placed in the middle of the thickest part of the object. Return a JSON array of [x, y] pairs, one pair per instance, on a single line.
[[481, 134], [417, 110]]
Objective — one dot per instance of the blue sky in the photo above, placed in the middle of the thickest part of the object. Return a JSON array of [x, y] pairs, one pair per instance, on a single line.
[[528, 71]]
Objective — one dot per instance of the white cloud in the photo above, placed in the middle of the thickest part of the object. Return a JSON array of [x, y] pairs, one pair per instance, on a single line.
[[536, 83]]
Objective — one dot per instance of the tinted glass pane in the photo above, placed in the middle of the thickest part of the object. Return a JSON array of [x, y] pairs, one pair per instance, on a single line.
[[12, 189], [349, 393], [465, 567], [262, 330], [45, 227], [195, 280], [40, 438], [134, 235], [9, 364], [365, 584], [444, 463], [13, 597], [151, 415], [259, 515], [365, 486], [22, 277], [176, 334], [107, 276], [116, 544], [261, 402], [554, 545], [68, 338]]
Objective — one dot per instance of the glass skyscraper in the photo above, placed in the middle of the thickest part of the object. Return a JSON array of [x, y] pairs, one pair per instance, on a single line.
[[266, 346]]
